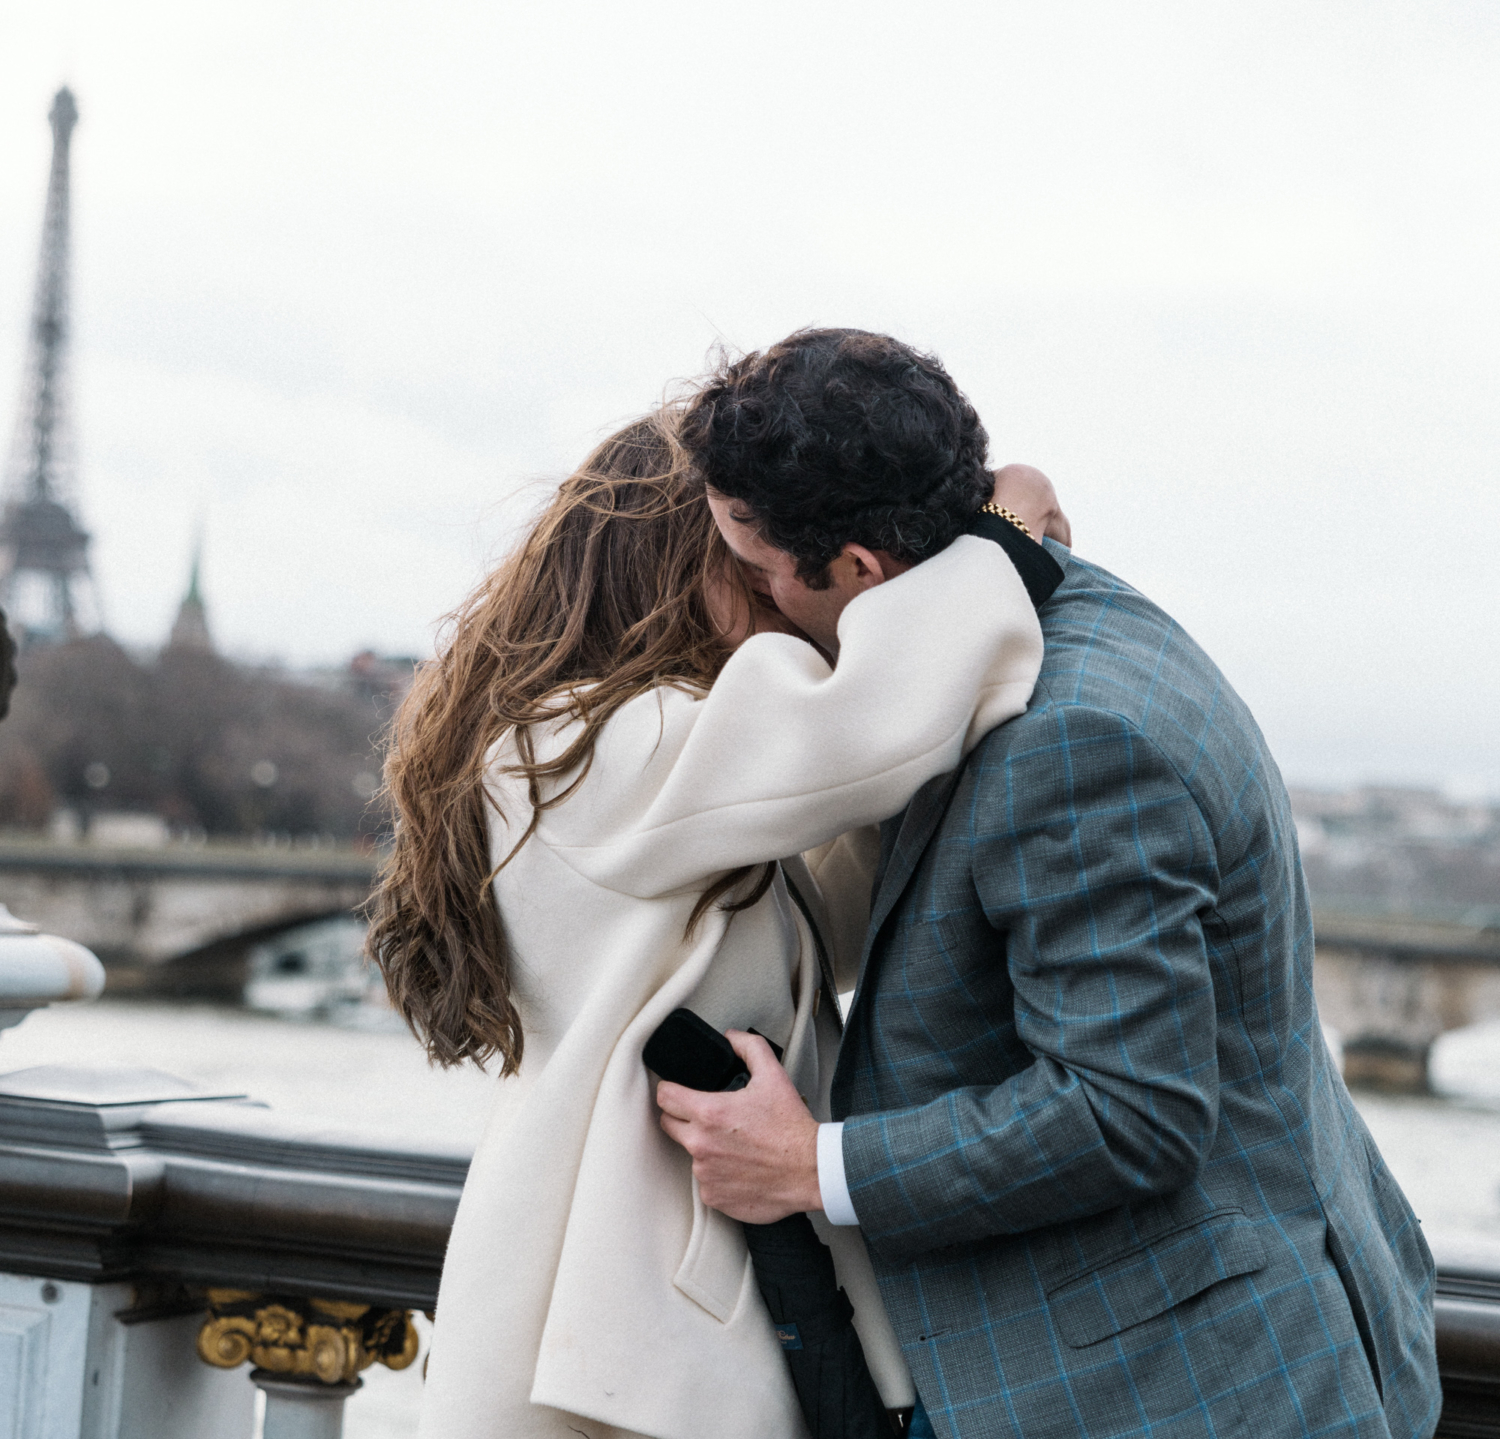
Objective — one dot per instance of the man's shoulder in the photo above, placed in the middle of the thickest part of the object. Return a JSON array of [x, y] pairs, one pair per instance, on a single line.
[[1100, 636], [1111, 648], [1098, 629], [1117, 664]]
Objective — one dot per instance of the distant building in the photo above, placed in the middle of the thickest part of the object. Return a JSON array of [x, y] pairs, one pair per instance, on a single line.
[[190, 629], [1401, 850], [1374, 816]]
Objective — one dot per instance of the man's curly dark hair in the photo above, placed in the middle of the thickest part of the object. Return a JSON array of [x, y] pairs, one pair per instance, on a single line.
[[837, 437]]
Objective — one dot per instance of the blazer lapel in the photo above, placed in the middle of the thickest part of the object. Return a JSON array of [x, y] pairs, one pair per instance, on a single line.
[[917, 824], [898, 862]]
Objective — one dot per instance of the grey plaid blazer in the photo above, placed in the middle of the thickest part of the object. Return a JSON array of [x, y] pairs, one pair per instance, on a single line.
[[1112, 1183]]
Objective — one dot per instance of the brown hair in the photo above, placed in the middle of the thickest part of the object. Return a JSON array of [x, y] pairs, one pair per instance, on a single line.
[[603, 601]]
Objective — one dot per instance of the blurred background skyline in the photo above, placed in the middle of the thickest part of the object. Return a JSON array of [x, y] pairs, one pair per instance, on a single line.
[[354, 285]]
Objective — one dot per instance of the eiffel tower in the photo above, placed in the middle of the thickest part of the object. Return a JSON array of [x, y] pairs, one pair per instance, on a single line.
[[45, 586]]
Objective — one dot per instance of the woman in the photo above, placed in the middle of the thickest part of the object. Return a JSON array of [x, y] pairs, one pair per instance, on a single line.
[[594, 781]]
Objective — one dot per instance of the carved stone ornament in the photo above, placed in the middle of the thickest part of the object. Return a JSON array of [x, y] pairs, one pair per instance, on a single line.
[[330, 1340]]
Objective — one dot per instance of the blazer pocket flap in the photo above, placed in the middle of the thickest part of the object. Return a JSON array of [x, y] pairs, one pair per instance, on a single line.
[[1156, 1277]]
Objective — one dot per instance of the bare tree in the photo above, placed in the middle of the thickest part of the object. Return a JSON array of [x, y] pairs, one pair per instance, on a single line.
[[206, 744]]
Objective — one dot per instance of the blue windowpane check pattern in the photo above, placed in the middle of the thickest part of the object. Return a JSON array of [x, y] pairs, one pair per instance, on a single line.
[[1112, 1183]]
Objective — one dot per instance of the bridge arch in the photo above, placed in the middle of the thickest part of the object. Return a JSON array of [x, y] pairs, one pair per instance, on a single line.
[[179, 920]]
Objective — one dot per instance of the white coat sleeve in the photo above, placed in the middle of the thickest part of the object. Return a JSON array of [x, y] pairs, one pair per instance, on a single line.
[[784, 753]]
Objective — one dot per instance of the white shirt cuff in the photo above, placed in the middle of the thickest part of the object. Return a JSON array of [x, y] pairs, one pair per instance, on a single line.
[[838, 1208]]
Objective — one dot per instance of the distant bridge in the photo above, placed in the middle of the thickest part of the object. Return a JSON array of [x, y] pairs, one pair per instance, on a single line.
[[1390, 985], [182, 919], [178, 919]]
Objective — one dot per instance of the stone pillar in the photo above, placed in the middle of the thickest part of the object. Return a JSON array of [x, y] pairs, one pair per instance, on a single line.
[[75, 1363], [125, 1194], [1389, 1009], [86, 1360], [302, 1408]]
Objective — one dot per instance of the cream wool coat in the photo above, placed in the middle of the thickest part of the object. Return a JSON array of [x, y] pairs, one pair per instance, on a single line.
[[587, 1290]]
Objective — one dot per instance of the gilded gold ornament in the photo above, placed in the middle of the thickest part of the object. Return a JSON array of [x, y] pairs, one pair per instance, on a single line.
[[331, 1355], [226, 1343], [330, 1340]]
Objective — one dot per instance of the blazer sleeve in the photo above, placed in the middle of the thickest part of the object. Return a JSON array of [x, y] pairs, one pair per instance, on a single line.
[[783, 753], [1094, 866]]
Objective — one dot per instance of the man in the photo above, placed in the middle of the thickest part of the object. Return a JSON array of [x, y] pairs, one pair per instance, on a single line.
[[1110, 1179]]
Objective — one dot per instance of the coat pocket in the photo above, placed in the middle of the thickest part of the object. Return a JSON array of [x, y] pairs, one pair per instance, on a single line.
[[1156, 1277], [712, 1272]]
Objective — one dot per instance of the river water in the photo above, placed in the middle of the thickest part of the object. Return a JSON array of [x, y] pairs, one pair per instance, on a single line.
[[1444, 1150]]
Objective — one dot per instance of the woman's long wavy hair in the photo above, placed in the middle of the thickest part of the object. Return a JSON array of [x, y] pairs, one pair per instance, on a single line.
[[605, 600]]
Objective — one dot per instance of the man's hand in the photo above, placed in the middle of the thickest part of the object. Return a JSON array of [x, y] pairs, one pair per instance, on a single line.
[[755, 1150], [1026, 491]]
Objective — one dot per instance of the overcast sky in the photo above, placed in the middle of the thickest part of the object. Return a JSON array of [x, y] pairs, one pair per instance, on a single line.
[[354, 282]]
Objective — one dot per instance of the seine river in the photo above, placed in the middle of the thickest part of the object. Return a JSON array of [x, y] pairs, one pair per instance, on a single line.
[[1445, 1151]]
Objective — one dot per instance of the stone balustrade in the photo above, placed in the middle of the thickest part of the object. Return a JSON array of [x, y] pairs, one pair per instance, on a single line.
[[156, 1239]]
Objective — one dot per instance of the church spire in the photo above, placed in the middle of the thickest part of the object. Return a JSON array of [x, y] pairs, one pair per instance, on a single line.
[[194, 594], [190, 629]]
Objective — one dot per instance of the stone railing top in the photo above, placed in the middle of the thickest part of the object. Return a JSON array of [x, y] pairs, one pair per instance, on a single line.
[[73, 1106], [1408, 936], [211, 860], [134, 1174], [1468, 1264], [263, 1136]]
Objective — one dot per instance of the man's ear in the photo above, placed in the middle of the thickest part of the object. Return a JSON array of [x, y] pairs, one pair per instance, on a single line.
[[864, 569]]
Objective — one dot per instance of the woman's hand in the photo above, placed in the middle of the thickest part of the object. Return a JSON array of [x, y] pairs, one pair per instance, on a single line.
[[1027, 492]]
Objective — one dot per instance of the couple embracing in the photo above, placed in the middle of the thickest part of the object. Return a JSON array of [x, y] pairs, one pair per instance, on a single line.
[[787, 695]]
